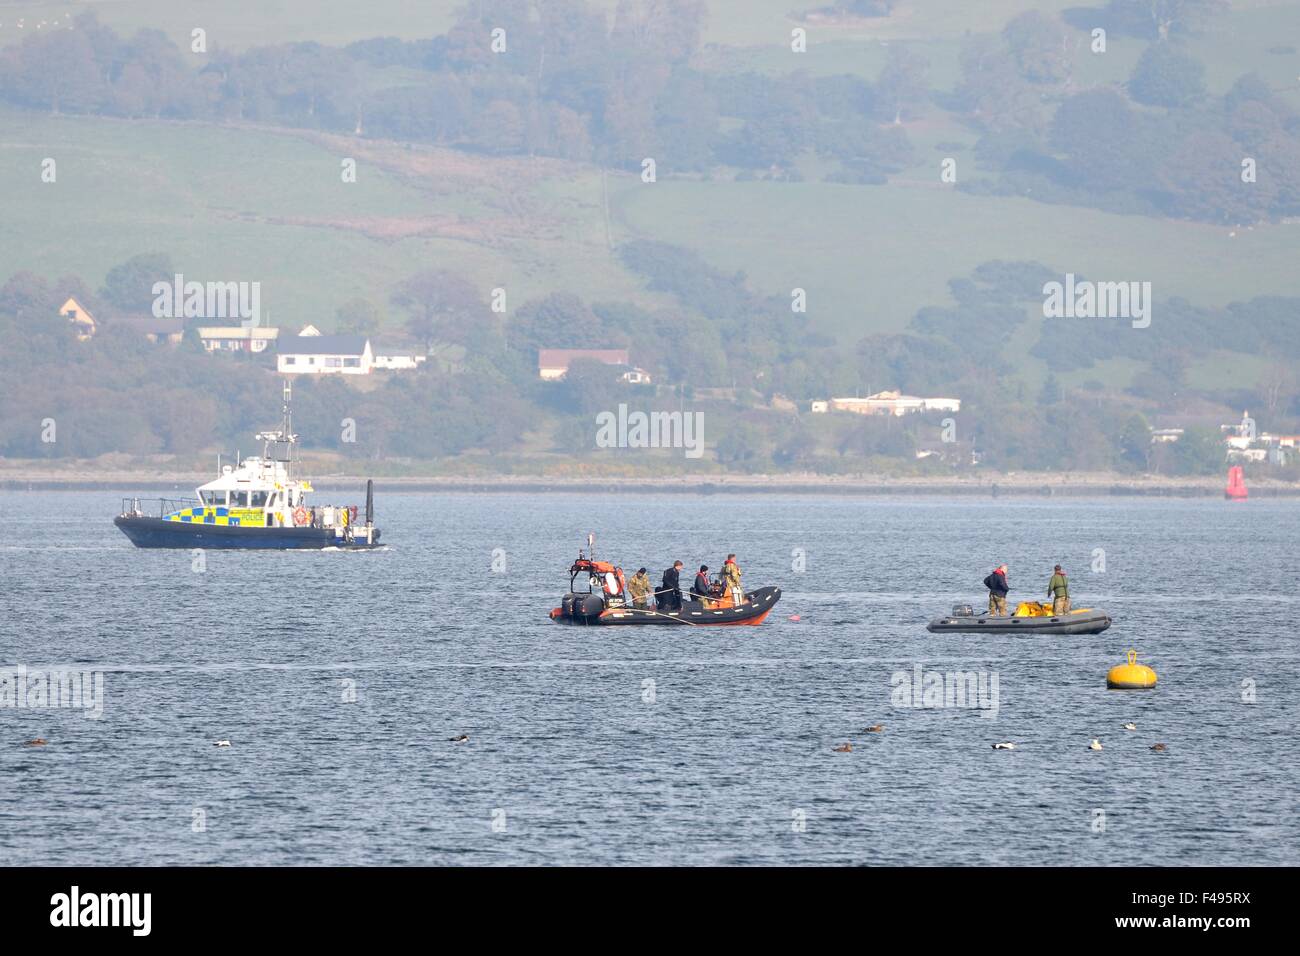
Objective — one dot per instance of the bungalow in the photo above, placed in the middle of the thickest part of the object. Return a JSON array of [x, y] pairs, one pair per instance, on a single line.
[[553, 364], [76, 313], [325, 355], [237, 338]]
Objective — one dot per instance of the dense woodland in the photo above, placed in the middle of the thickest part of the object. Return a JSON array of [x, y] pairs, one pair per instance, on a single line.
[[613, 91]]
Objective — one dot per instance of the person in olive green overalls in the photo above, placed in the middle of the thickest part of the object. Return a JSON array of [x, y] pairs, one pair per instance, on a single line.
[[731, 580], [1058, 589], [640, 587]]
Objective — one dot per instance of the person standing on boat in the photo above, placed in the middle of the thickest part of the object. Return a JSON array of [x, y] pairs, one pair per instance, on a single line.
[[700, 589], [1058, 589], [639, 587], [671, 590], [731, 579], [997, 585]]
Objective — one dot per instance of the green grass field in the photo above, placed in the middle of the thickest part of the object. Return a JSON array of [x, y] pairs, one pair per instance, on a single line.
[[236, 24], [871, 256], [268, 206]]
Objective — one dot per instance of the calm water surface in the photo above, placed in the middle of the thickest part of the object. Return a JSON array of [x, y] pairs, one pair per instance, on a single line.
[[653, 745]]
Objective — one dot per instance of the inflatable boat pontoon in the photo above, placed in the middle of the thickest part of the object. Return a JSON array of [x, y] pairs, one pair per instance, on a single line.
[[1029, 618]]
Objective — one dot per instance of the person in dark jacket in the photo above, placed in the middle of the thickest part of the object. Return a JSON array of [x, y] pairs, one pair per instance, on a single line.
[[670, 594], [997, 585], [700, 589]]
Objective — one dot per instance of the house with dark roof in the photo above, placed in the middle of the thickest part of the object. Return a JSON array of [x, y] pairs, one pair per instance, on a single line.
[[325, 355]]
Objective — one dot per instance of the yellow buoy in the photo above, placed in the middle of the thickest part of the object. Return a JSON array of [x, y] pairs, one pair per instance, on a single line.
[[1131, 676]]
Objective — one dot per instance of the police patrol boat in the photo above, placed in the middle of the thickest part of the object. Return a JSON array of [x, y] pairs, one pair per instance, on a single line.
[[598, 596], [258, 504]]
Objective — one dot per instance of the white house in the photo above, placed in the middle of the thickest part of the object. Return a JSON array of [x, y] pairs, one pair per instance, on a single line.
[[325, 355], [237, 338]]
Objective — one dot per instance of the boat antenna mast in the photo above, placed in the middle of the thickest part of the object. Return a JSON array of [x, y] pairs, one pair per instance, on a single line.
[[284, 436]]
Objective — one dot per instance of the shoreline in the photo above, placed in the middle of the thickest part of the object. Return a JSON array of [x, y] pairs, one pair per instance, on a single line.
[[1022, 485]]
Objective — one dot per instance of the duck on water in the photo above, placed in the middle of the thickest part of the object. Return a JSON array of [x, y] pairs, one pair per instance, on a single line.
[[258, 504]]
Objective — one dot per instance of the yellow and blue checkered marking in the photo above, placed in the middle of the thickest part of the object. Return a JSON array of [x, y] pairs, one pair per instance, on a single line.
[[218, 515]]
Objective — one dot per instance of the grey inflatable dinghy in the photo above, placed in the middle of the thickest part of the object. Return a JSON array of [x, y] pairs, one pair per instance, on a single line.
[[1028, 619]]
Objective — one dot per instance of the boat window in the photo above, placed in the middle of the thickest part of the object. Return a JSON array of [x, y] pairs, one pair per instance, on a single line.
[[239, 499], [259, 499], [211, 498]]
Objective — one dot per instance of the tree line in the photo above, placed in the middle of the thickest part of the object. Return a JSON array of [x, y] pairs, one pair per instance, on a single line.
[[117, 393]]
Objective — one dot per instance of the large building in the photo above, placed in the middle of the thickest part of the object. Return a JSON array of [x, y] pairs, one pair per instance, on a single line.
[[888, 403]]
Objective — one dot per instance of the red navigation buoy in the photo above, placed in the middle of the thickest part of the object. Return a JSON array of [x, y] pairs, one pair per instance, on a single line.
[[1236, 490]]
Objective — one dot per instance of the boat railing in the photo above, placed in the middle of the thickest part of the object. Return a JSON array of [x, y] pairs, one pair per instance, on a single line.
[[155, 507]]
